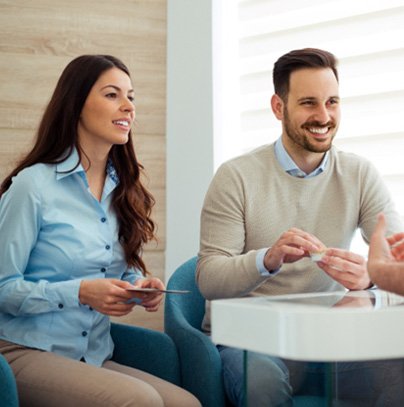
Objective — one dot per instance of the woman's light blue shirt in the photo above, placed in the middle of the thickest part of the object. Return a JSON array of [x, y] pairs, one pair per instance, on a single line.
[[53, 234]]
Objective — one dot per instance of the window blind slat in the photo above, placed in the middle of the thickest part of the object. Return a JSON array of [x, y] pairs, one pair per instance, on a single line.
[[327, 12], [367, 36]]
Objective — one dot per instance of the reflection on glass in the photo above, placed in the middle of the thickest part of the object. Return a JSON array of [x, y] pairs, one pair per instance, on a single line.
[[350, 299]]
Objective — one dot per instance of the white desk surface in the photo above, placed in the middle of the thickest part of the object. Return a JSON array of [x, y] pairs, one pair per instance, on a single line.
[[314, 327]]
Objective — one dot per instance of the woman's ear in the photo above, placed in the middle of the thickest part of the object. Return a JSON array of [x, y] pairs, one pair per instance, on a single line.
[[277, 106]]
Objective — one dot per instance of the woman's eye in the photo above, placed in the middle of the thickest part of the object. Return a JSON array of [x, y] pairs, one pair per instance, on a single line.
[[111, 95], [131, 98]]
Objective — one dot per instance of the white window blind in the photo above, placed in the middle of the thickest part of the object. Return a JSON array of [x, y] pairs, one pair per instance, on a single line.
[[367, 37]]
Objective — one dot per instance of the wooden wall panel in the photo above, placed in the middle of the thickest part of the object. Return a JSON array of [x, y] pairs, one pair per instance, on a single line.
[[37, 40]]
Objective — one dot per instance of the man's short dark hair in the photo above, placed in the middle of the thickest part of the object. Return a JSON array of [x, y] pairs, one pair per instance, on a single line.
[[299, 59]]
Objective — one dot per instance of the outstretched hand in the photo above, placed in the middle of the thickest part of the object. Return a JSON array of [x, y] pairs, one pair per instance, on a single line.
[[379, 247], [385, 263]]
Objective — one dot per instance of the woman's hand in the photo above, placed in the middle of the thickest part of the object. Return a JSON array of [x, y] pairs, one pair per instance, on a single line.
[[150, 301], [108, 296]]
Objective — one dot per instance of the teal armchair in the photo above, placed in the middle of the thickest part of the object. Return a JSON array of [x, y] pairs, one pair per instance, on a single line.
[[151, 351], [201, 366], [8, 388], [200, 363]]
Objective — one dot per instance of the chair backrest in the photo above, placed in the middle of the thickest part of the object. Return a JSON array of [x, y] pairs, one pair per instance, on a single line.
[[201, 366], [192, 305]]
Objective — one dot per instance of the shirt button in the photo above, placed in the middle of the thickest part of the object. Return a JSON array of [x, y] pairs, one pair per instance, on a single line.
[[84, 333], [103, 269], [107, 246], [60, 306], [103, 220], [90, 309]]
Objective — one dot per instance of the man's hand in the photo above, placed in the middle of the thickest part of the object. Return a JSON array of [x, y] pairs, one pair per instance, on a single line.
[[292, 246], [348, 268]]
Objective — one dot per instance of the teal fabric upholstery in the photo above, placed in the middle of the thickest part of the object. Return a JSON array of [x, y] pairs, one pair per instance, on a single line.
[[311, 401], [201, 368], [8, 388], [151, 351]]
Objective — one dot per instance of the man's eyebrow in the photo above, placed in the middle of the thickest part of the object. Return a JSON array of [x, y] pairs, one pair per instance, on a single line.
[[306, 98], [116, 88], [312, 98]]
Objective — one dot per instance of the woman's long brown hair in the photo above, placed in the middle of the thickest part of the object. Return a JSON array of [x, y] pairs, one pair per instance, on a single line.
[[57, 137]]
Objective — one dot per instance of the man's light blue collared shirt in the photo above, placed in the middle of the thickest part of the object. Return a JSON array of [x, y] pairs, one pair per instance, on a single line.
[[287, 163], [53, 234]]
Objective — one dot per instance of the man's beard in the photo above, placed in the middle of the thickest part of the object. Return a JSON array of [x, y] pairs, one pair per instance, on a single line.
[[299, 138]]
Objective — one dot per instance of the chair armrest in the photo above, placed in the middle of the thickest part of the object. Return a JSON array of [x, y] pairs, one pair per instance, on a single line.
[[8, 387], [153, 352], [201, 366]]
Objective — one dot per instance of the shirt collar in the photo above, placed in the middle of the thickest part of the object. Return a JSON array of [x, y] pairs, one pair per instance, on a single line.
[[69, 167], [112, 179], [287, 163], [111, 171]]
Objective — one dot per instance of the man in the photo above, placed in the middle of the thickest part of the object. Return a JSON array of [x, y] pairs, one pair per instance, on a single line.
[[266, 212]]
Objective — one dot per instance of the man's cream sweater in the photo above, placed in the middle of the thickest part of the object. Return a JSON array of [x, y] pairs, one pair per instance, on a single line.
[[252, 201]]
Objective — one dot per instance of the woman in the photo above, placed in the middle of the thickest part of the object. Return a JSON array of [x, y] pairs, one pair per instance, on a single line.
[[386, 259], [74, 217]]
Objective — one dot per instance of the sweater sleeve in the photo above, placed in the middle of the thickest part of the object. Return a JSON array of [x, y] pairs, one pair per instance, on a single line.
[[224, 269]]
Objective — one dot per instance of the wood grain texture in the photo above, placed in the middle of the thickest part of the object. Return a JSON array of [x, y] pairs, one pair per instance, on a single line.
[[38, 39]]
